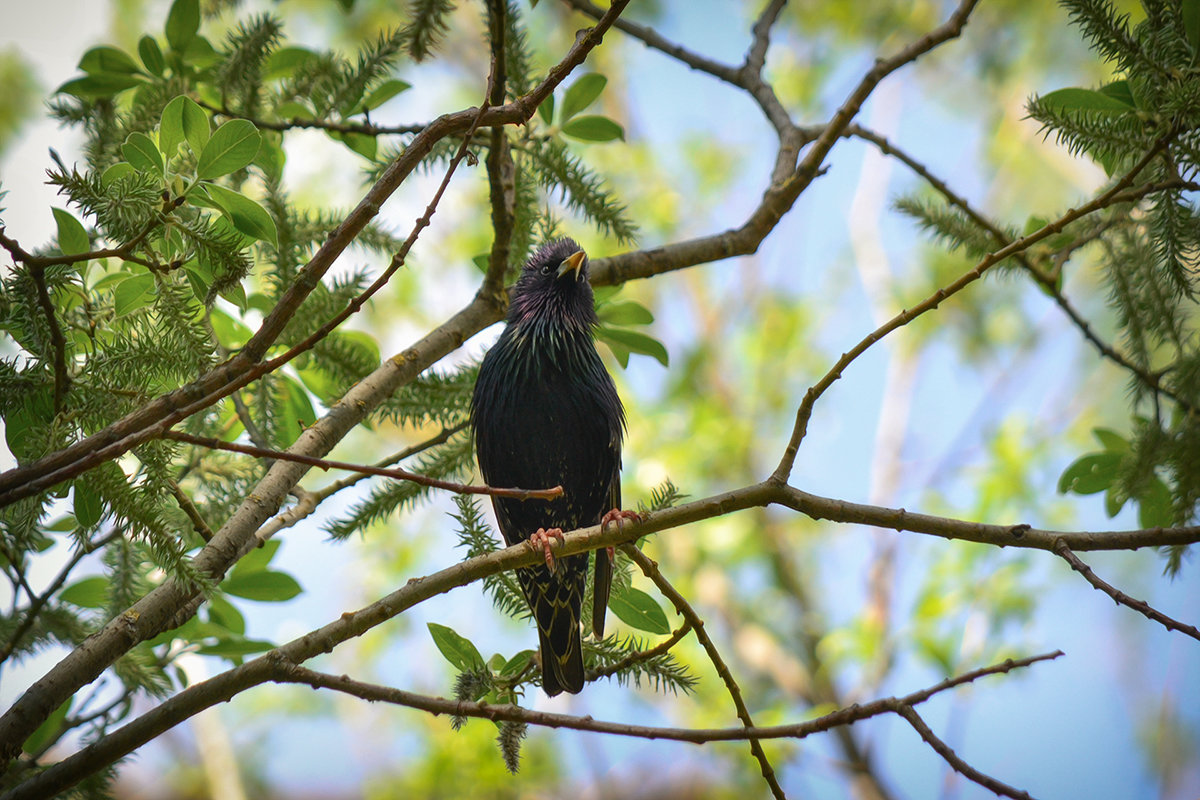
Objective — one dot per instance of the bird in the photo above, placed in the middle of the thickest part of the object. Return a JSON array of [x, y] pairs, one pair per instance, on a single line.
[[545, 412]]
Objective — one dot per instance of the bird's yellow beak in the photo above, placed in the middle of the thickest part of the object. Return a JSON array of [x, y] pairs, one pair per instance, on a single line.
[[573, 263]]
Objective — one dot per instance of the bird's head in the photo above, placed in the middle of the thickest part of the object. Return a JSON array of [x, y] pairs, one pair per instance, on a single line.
[[553, 288]]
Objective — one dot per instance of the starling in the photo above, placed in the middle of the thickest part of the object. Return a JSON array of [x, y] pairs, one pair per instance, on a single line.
[[546, 413]]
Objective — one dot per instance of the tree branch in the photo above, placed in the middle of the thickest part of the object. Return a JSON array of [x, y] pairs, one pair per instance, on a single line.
[[1120, 598], [953, 759], [650, 569], [394, 473], [147, 422], [277, 666], [1118, 192], [1046, 282], [152, 613]]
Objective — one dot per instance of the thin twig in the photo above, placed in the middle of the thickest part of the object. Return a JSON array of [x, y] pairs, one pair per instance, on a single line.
[[308, 501], [1047, 282], [299, 123], [642, 655], [954, 760], [393, 472], [278, 666], [1119, 597], [651, 571], [1118, 192]]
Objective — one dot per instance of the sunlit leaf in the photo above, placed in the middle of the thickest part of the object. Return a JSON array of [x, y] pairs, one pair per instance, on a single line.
[[582, 94], [183, 20], [457, 650], [594, 129], [265, 586], [638, 610], [87, 593], [231, 147], [246, 215]]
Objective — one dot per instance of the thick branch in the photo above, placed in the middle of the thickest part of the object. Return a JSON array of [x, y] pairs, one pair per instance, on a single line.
[[148, 422]]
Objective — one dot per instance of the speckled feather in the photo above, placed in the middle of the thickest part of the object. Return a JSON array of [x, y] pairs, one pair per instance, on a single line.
[[545, 412]]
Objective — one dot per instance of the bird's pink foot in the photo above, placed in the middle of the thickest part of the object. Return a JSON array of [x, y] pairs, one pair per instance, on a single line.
[[540, 540], [618, 516]]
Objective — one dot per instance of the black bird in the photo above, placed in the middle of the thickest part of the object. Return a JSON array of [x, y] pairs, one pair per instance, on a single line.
[[546, 413]]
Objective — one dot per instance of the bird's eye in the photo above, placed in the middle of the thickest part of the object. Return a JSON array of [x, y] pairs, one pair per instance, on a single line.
[[546, 269]]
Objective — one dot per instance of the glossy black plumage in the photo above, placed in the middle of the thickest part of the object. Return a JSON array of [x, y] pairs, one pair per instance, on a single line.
[[545, 412]]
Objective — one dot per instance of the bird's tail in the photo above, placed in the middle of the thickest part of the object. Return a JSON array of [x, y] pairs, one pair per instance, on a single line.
[[562, 666]]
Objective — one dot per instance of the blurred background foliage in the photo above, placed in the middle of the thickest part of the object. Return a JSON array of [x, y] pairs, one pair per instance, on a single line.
[[973, 411]]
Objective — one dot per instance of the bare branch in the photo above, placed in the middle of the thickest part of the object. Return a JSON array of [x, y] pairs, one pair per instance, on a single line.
[[954, 760], [650, 570], [1120, 598], [1046, 282], [365, 469], [1117, 193]]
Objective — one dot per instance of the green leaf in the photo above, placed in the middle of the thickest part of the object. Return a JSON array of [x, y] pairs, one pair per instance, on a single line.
[[1084, 100], [151, 55], [293, 110], [1110, 440], [231, 333], [87, 506], [232, 146], [593, 129], [458, 651], [87, 593], [246, 215], [365, 146], [133, 293], [271, 158], [1155, 506], [141, 151], [516, 665], [72, 238], [283, 62], [265, 586], [582, 94], [183, 120], [626, 313], [225, 614], [117, 171], [257, 559], [1120, 91], [235, 648], [1191, 23], [638, 610], [1092, 473], [183, 20], [1114, 501], [381, 94], [49, 730], [96, 87], [546, 110], [634, 342], [295, 410], [105, 59]]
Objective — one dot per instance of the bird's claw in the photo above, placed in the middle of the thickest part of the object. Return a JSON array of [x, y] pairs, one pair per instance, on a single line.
[[618, 516], [540, 540]]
